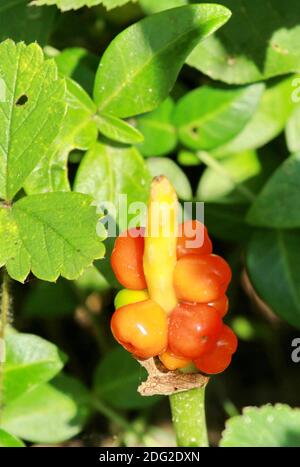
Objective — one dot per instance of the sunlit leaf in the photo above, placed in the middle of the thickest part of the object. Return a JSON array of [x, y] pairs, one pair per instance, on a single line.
[[209, 116], [47, 242], [140, 66], [267, 426], [260, 41], [159, 132], [50, 413], [32, 112], [30, 361]]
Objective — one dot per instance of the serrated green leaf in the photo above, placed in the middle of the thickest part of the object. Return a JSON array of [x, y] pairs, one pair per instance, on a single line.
[[276, 252], [278, 203], [78, 131], [226, 184], [268, 121], [140, 66], [209, 117], [46, 228], [164, 166], [158, 130], [50, 413], [108, 171], [259, 42], [19, 22], [117, 378], [66, 5], [292, 131], [9, 235], [9, 441], [18, 266], [48, 243], [30, 361], [154, 6], [117, 130], [32, 112], [267, 426]]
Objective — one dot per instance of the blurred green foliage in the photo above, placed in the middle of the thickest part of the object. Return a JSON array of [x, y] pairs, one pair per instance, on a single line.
[[227, 134]]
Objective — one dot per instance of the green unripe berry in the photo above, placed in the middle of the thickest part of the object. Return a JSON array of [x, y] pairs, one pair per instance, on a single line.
[[126, 297]]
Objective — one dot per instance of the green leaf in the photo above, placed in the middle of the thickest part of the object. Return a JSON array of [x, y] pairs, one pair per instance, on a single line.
[[268, 121], [9, 441], [277, 205], [78, 131], [276, 252], [117, 130], [116, 381], [108, 171], [167, 167], [226, 181], [292, 131], [9, 235], [79, 64], [30, 361], [32, 112], [188, 158], [50, 413], [66, 5], [226, 221], [19, 22], [259, 42], [140, 66], [159, 133], [47, 243], [267, 426], [154, 6], [93, 281], [49, 301], [209, 117]]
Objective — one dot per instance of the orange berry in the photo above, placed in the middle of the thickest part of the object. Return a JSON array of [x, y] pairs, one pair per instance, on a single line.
[[127, 259], [193, 239], [172, 362], [141, 328], [222, 305], [201, 279]]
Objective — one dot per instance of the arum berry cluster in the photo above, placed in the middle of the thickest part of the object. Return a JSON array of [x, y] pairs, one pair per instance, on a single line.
[[174, 299]]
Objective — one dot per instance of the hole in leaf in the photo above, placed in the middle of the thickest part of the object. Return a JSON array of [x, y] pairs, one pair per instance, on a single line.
[[194, 132], [22, 100]]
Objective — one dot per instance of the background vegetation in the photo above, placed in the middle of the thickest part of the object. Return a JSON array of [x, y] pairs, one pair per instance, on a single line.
[[228, 135]]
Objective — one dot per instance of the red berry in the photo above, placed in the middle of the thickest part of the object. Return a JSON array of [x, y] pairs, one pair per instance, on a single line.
[[222, 305], [193, 330], [219, 358], [127, 259], [193, 239], [201, 279]]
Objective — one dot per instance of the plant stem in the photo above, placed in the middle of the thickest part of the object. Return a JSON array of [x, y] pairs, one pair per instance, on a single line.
[[188, 416], [4, 314], [214, 164]]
